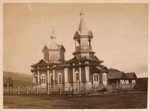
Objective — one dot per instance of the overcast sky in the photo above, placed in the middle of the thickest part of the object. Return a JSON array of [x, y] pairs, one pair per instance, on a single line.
[[120, 33]]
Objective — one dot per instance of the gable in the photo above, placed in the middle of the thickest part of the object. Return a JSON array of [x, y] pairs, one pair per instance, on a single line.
[[90, 33], [61, 47], [95, 69], [45, 49], [130, 75], [76, 35], [41, 62], [116, 75]]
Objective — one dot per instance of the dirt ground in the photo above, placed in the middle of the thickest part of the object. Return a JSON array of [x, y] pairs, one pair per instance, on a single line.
[[128, 100]]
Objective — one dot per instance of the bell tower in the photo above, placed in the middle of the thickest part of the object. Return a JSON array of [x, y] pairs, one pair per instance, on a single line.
[[82, 39]]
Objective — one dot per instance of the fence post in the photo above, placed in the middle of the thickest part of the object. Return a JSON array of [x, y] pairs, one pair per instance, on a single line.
[[95, 89], [72, 91], [60, 90], [27, 90], [18, 89], [48, 88], [36, 89], [10, 89]]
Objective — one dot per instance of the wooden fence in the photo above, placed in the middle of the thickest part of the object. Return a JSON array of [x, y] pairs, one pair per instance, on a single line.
[[60, 90], [39, 90]]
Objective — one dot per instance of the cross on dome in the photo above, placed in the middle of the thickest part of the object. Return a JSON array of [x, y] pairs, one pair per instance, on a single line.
[[81, 13], [53, 35]]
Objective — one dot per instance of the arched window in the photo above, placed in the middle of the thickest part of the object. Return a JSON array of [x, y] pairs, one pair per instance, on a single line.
[[77, 75], [43, 78], [95, 77], [59, 78]]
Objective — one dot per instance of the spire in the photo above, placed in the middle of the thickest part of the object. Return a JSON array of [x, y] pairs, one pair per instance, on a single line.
[[53, 37], [53, 45], [82, 28]]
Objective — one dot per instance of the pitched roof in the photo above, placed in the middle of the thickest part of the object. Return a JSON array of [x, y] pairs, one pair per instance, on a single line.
[[130, 75], [53, 46], [82, 27], [113, 70], [85, 58], [45, 48], [95, 69], [61, 46], [82, 31], [42, 61], [116, 75]]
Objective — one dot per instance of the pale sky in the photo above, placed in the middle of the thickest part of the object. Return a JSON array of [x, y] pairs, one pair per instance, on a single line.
[[120, 33]]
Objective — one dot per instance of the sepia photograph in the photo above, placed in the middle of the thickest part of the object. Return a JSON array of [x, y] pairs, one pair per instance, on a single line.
[[75, 55]]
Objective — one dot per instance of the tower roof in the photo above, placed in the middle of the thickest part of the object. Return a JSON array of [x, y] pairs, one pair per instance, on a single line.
[[53, 44], [82, 31], [82, 28]]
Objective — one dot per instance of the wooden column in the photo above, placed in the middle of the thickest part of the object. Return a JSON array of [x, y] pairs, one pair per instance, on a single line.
[[105, 79], [17, 89], [48, 80], [37, 89], [54, 79], [27, 89], [87, 76], [10, 89], [80, 79], [33, 77], [74, 77], [130, 82], [38, 76], [66, 75], [87, 72]]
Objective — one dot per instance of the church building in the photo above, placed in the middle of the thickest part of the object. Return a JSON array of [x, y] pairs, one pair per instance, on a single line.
[[83, 72]]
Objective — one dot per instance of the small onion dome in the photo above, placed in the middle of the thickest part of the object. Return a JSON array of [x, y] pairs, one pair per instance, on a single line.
[[81, 13], [53, 36]]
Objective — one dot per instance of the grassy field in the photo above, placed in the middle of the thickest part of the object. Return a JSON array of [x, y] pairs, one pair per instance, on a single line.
[[107, 101]]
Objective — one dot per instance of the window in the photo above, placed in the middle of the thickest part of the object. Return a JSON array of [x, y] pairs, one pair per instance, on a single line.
[[95, 77], [59, 78], [77, 75], [43, 78]]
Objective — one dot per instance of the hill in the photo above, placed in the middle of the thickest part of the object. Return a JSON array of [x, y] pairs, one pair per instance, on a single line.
[[18, 78]]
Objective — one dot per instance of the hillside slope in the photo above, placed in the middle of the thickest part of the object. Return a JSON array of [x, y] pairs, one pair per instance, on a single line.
[[19, 78]]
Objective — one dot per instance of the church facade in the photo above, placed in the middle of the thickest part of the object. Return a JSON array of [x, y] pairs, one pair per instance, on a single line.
[[83, 72]]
